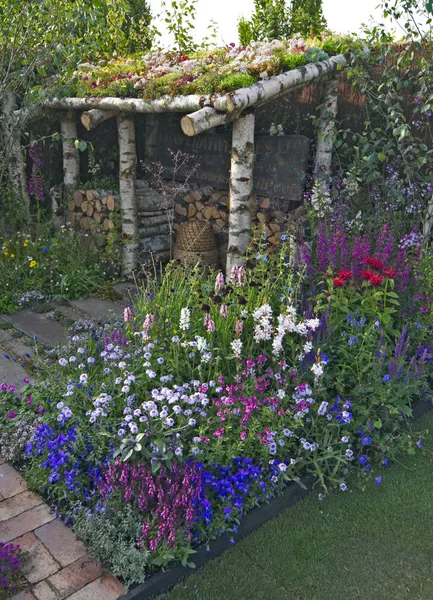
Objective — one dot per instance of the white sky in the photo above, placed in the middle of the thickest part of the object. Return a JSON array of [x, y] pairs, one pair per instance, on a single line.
[[343, 16]]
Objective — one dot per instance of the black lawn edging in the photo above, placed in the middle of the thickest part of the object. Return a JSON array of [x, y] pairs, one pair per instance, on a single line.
[[163, 581]]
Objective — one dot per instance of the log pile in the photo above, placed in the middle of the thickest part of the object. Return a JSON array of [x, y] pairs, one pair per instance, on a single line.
[[93, 210], [212, 206]]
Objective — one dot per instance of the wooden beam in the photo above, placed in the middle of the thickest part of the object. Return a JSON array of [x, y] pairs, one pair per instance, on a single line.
[[269, 89], [92, 118], [132, 105], [204, 119], [127, 177], [241, 188]]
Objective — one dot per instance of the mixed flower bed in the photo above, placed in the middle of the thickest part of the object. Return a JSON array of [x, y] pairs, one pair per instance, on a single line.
[[37, 268], [207, 71], [160, 432]]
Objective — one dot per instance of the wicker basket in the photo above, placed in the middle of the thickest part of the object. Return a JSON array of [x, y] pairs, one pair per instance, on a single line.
[[196, 243]]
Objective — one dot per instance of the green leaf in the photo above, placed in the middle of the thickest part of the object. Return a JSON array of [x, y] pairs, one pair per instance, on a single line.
[[382, 157]]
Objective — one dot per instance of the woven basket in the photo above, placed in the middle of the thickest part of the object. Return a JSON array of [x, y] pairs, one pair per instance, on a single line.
[[195, 243], [195, 236]]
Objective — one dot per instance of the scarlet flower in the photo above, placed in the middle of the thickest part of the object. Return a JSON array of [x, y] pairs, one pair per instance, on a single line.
[[390, 273], [366, 274], [344, 274], [338, 282], [374, 263], [376, 279]]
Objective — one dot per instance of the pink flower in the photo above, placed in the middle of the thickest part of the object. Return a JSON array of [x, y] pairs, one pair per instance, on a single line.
[[224, 311], [239, 327], [127, 315], [219, 282], [219, 432], [209, 323]]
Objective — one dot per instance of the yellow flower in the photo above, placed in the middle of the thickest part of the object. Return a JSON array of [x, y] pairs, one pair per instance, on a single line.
[[12, 255], [6, 252], [32, 264]]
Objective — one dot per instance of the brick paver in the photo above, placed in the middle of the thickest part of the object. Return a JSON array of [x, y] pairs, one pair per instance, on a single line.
[[25, 595], [105, 587], [25, 522], [11, 482], [36, 562], [75, 576], [43, 591], [53, 560], [19, 504], [61, 542]]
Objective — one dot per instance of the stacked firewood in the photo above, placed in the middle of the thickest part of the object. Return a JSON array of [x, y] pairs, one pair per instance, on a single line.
[[93, 210], [212, 207]]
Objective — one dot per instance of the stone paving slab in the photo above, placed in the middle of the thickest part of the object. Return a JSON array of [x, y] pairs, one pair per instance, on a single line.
[[127, 290], [46, 330], [11, 372], [75, 576], [104, 588], [97, 308]]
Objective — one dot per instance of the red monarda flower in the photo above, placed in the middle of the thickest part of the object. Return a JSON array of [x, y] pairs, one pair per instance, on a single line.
[[366, 274], [344, 274], [374, 263], [338, 282], [391, 273], [376, 279]]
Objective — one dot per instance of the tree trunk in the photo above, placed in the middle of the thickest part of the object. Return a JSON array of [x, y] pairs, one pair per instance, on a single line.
[[241, 188], [14, 156], [325, 134], [204, 119], [127, 177], [92, 118], [271, 88], [321, 199], [71, 155]]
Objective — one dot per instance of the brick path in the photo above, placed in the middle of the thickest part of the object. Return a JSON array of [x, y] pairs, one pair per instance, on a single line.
[[54, 562]]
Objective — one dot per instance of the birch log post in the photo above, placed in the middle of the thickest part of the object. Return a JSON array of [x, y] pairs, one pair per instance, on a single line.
[[241, 188], [127, 176], [13, 154], [325, 141], [92, 118], [205, 119], [71, 155], [325, 133]]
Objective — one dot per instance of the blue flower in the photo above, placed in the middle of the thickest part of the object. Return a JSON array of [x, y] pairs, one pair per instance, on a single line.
[[365, 440], [386, 378], [378, 480], [362, 459]]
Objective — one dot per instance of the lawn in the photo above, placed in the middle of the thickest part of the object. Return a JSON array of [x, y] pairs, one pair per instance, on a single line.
[[374, 545]]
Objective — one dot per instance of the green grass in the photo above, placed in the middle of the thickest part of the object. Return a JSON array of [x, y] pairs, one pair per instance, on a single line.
[[372, 545]]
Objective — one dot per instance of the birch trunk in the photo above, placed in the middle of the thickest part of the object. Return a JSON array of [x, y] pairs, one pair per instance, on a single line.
[[134, 105], [271, 88], [427, 225], [92, 118], [127, 176], [204, 119], [14, 156], [71, 155], [321, 199], [325, 134], [241, 188]]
